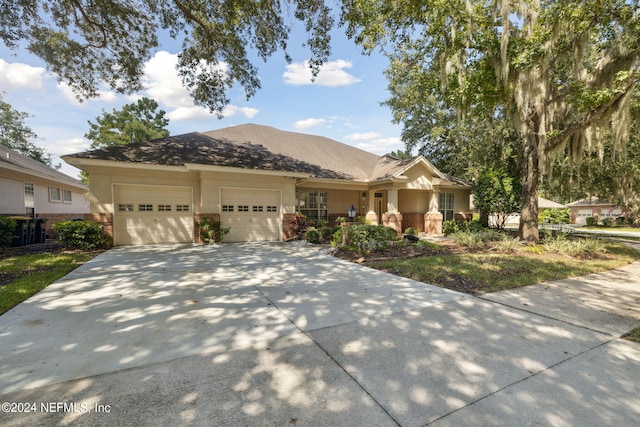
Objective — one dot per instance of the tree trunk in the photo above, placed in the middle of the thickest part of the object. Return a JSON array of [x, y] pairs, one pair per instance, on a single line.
[[528, 229]]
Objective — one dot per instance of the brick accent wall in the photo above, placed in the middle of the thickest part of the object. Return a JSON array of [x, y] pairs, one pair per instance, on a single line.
[[459, 216], [415, 220], [433, 223], [393, 220], [199, 217], [287, 229], [105, 219]]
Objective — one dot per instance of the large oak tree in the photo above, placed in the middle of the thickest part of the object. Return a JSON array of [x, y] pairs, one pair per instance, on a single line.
[[86, 42], [560, 72]]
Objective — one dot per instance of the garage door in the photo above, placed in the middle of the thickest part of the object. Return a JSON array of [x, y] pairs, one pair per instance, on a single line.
[[150, 214], [253, 215]]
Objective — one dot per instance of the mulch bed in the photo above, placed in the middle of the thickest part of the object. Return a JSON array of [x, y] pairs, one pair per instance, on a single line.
[[40, 248]]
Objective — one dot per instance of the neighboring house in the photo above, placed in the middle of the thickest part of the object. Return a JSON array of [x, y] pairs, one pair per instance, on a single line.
[[33, 189], [593, 207], [254, 179], [513, 219]]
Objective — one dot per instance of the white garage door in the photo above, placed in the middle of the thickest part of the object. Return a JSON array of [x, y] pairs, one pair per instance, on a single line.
[[253, 215], [152, 214]]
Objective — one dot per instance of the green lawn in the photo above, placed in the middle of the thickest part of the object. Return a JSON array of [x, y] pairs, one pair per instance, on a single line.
[[633, 335], [489, 272], [28, 274]]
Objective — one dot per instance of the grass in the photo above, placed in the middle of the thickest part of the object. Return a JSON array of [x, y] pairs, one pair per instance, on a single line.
[[634, 335], [494, 271], [32, 273], [612, 229]]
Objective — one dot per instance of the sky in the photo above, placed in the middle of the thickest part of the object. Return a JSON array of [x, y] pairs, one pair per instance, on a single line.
[[343, 103]]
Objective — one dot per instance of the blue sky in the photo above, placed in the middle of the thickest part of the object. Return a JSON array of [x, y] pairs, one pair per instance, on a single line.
[[343, 103]]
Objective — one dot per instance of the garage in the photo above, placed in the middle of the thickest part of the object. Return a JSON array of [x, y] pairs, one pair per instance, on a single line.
[[252, 214], [152, 214]]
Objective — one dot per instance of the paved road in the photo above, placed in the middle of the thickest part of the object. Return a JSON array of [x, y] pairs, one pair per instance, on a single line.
[[282, 334]]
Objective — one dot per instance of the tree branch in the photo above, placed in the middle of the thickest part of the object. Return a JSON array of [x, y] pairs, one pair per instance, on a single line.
[[594, 114]]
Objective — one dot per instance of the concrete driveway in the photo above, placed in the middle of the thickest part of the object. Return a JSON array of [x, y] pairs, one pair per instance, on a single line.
[[282, 334]]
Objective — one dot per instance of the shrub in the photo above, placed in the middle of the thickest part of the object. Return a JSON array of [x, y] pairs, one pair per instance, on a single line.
[[561, 244], [607, 222], [7, 231], [450, 227], [80, 234], [508, 245], [326, 233], [591, 221], [468, 239], [411, 231], [212, 231], [312, 235], [336, 240], [367, 238]]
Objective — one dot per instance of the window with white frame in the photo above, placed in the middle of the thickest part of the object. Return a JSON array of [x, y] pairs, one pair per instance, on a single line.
[[314, 204], [66, 196], [55, 195], [29, 195], [445, 206]]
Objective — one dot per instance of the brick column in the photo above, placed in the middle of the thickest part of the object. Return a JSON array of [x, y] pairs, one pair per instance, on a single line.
[[105, 219], [433, 223], [393, 220], [199, 217]]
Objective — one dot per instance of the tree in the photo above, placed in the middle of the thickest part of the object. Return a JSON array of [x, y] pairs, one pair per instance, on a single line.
[[496, 193], [135, 122], [88, 42], [401, 155], [16, 135], [561, 72]]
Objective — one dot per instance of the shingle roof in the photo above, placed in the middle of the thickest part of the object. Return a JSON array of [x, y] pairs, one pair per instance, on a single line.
[[10, 159], [326, 153], [199, 148], [257, 147], [590, 201]]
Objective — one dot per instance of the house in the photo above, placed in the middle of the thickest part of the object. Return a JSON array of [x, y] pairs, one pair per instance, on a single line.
[[254, 179], [33, 189], [593, 207]]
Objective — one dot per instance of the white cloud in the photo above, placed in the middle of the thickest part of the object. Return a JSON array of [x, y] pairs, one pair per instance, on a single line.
[[67, 146], [382, 145], [332, 74], [162, 83], [309, 123], [362, 136], [16, 76], [232, 110], [68, 94]]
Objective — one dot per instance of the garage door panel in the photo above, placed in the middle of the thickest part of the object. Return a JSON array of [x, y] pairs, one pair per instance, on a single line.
[[253, 215], [170, 219]]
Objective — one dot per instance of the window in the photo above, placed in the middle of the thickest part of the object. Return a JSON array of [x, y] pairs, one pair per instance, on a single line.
[[164, 208], [182, 208], [227, 208], [29, 195], [258, 208], [55, 195], [272, 209], [145, 208], [445, 206], [314, 204], [66, 196], [125, 207], [243, 208]]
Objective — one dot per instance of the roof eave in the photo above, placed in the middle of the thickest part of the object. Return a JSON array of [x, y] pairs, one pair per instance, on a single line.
[[230, 169]]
